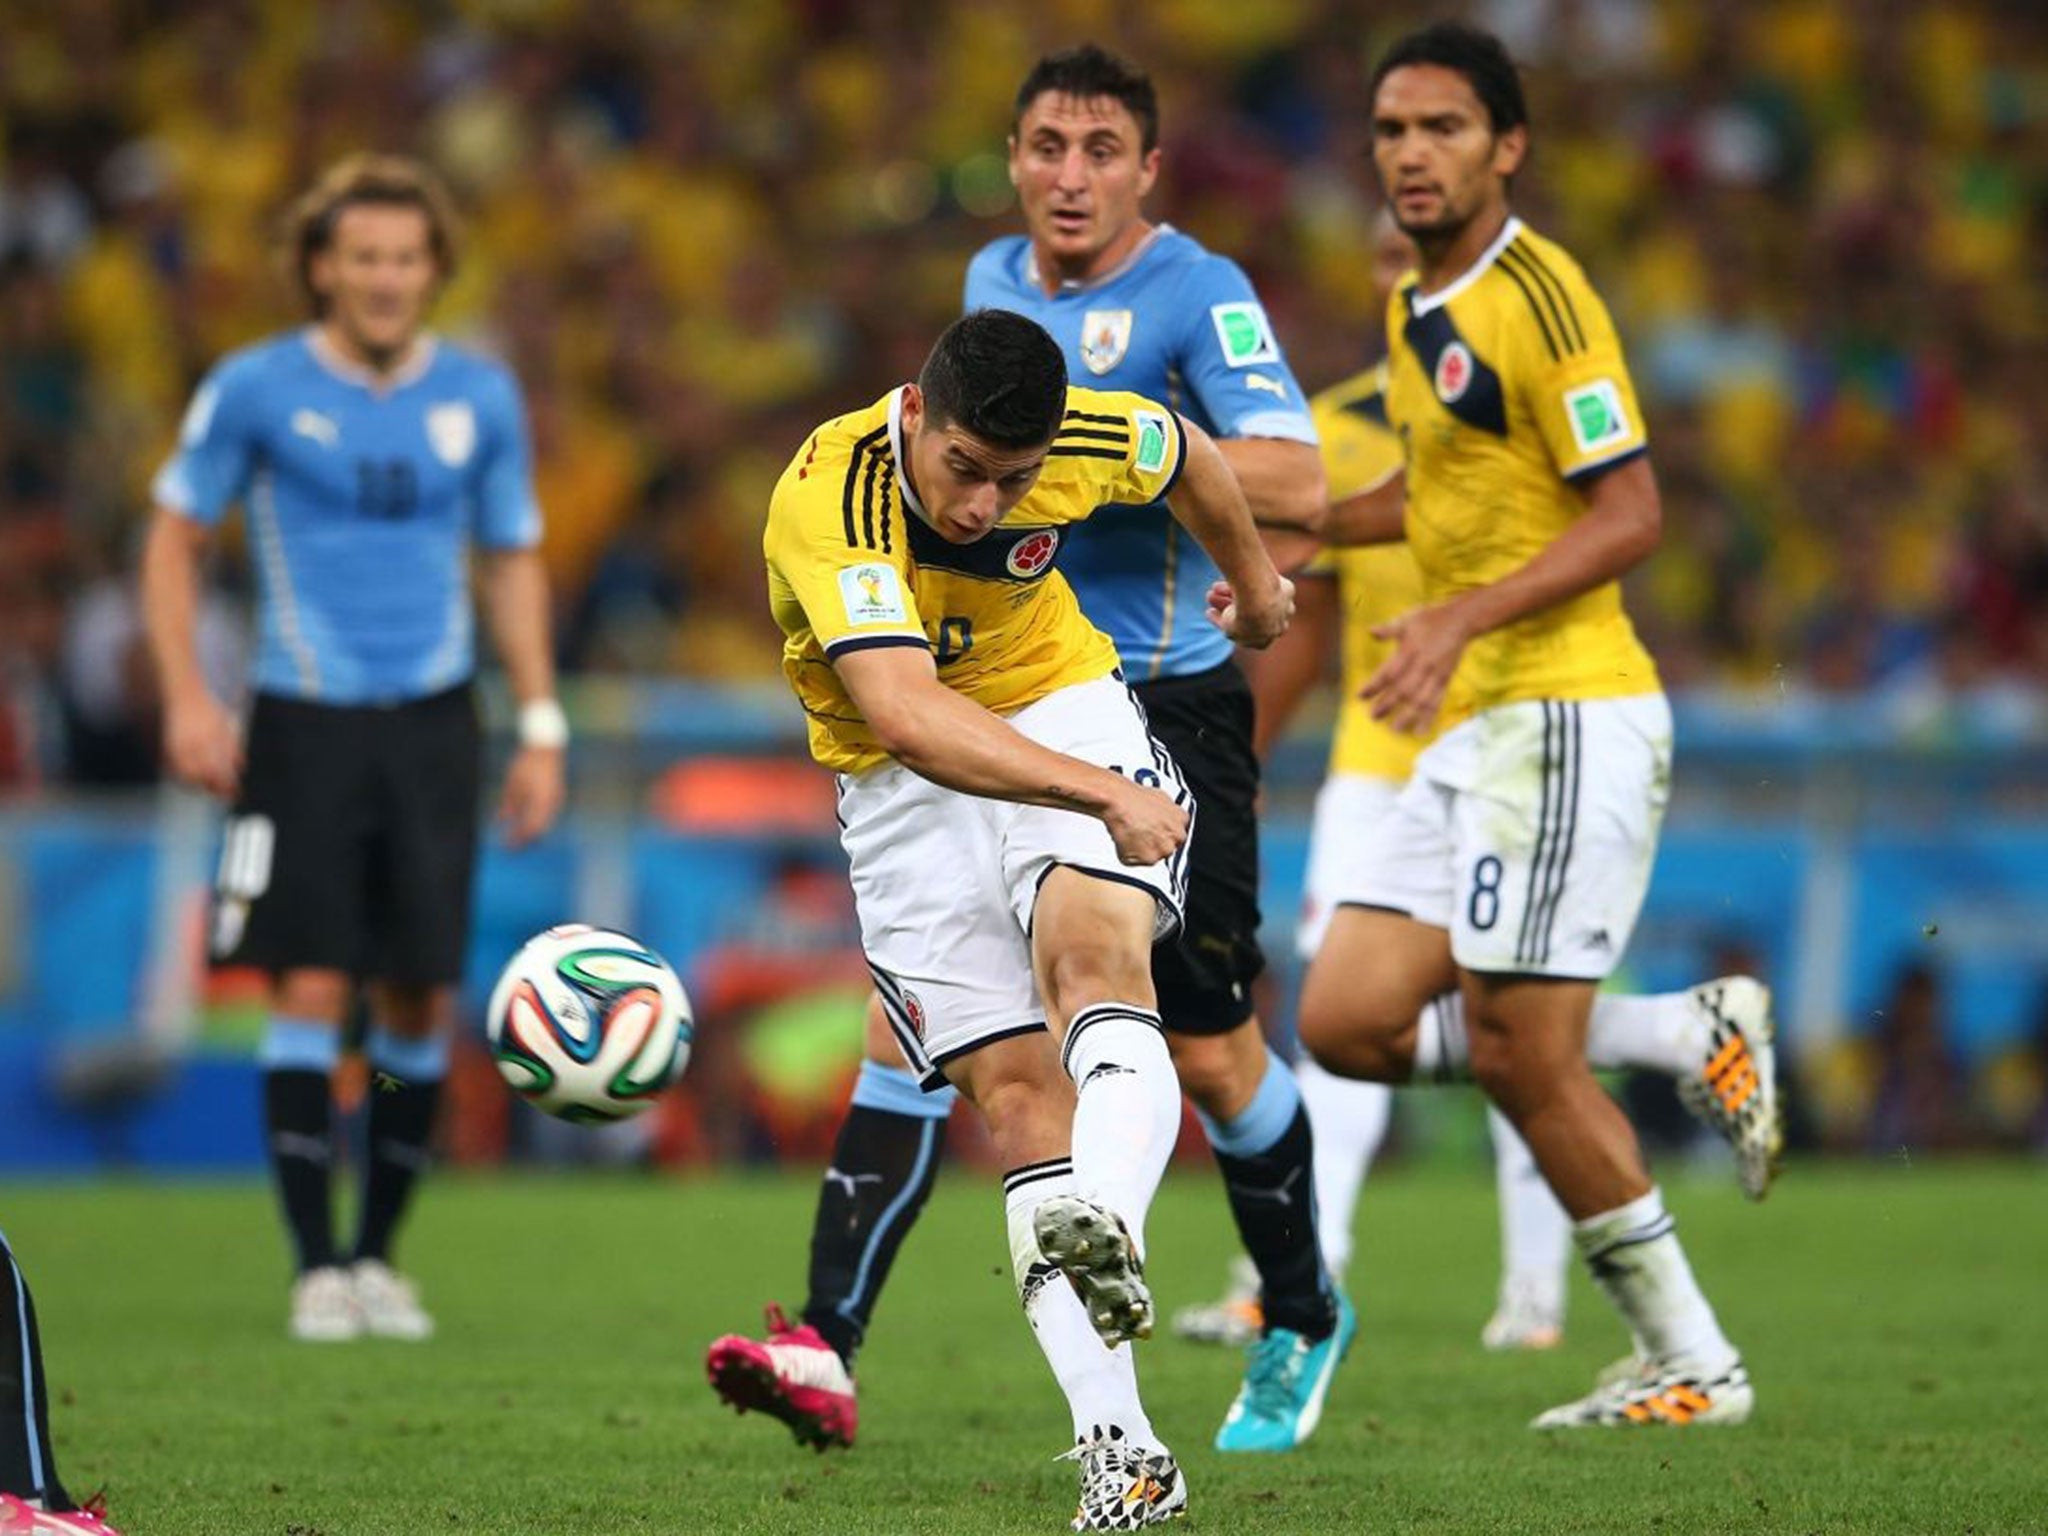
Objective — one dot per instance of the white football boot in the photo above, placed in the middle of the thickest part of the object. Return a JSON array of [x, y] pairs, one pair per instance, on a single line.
[[390, 1303], [324, 1309], [1673, 1393], [1125, 1487], [1093, 1248], [1523, 1318], [1736, 1089]]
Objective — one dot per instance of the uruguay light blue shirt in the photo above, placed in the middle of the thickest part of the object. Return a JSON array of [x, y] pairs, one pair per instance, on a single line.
[[363, 497], [1181, 325]]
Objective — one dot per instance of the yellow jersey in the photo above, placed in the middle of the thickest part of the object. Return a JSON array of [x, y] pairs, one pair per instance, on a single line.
[[1508, 390], [852, 563], [1375, 582]]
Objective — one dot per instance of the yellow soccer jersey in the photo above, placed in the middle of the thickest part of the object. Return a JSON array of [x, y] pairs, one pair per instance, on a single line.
[[1375, 582], [852, 563], [1507, 389]]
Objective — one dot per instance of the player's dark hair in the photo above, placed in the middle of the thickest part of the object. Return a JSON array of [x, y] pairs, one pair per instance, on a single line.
[[1089, 73], [1477, 55], [390, 181], [998, 376]]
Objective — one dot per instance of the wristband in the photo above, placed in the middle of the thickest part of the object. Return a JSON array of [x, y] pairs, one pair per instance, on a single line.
[[542, 724]]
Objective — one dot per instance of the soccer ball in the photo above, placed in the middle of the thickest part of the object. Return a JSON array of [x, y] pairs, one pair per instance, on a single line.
[[588, 1024]]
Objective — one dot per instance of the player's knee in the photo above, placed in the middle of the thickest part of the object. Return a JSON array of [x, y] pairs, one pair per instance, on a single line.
[[414, 1011], [1212, 1074], [1359, 1037], [1088, 971], [312, 994]]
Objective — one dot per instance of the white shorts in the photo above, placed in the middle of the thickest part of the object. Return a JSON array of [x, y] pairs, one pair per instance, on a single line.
[[1347, 806], [945, 883], [1528, 832]]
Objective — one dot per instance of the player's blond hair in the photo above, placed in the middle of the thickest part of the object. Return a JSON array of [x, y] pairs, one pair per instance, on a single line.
[[391, 181]]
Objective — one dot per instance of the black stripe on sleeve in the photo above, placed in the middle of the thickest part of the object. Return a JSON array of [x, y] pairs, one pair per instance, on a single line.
[[1535, 305], [1573, 334], [851, 643], [867, 497], [853, 469], [1109, 419], [1091, 434], [1116, 454], [1180, 435]]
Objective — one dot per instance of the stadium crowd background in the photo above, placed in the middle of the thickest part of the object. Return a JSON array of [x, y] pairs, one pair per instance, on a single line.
[[694, 230]]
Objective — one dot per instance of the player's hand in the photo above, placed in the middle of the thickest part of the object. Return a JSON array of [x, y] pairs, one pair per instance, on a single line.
[[1144, 823], [203, 744], [1256, 624], [535, 783], [1408, 689]]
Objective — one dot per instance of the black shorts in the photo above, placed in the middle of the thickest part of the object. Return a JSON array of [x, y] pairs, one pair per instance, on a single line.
[[1204, 975], [352, 844]]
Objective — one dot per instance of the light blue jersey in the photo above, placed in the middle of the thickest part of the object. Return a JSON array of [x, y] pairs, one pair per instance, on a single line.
[[362, 499], [1181, 326]]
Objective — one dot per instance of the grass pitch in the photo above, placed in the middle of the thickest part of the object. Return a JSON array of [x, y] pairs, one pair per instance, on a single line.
[[1895, 1319]]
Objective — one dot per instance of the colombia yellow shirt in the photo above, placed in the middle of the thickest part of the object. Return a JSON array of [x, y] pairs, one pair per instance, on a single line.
[[1375, 582], [852, 563], [1509, 391]]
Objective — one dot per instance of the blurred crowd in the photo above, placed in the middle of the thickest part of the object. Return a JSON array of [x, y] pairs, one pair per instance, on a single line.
[[696, 228]]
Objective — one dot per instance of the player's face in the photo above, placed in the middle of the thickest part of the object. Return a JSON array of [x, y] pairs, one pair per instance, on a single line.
[[1081, 172], [378, 275], [966, 484], [1440, 163]]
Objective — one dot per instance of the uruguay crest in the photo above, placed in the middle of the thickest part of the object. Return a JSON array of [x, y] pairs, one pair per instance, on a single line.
[[451, 432], [1105, 337]]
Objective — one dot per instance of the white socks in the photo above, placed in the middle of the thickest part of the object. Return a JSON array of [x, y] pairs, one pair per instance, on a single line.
[[1535, 1232], [1127, 1111], [1348, 1120], [1665, 1033], [1100, 1383], [1634, 1255]]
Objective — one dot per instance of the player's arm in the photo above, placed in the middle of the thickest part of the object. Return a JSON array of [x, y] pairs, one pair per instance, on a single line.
[[1283, 484], [514, 587], [1370, 517], [1283, 673], [951, 740], [1253, 601], [1622, 524], [202, 743]]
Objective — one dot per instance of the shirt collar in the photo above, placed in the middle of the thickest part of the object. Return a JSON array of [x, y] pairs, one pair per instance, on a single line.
[[1082, 285], [410, 371], [1423, 304]]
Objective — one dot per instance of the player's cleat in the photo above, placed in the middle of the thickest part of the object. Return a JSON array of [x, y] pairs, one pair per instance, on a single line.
[[1285, 1383], [1522, 1319], [1093, 1248], [324, 1306], [792, 1375], [1736, 1089], [19, 1518], [1672, 1394], [390, 1303], [1125, 1486], [1235, 1320]]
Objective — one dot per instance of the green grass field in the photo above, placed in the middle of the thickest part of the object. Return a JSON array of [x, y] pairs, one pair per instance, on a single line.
[[1895, 1319]]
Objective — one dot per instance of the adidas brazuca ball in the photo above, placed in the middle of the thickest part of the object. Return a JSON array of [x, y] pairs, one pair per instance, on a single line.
[[588, 1024]]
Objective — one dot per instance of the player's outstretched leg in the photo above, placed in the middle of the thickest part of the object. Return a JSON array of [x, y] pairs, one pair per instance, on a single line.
[[1535, 1244], [884, 1163]]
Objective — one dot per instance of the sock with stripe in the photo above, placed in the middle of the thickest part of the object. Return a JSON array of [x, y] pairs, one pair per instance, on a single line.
[[1349, 1120], [1535, 1231], [1126, 1110], [405, 1090], [1665, 1033], [298, 1057], [1634, 1254], [28, 1468], [883, 1165], [1266, 1152], [1100, 1383]]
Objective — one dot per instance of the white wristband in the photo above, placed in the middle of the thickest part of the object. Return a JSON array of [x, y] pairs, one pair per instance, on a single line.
[[542, 724]]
